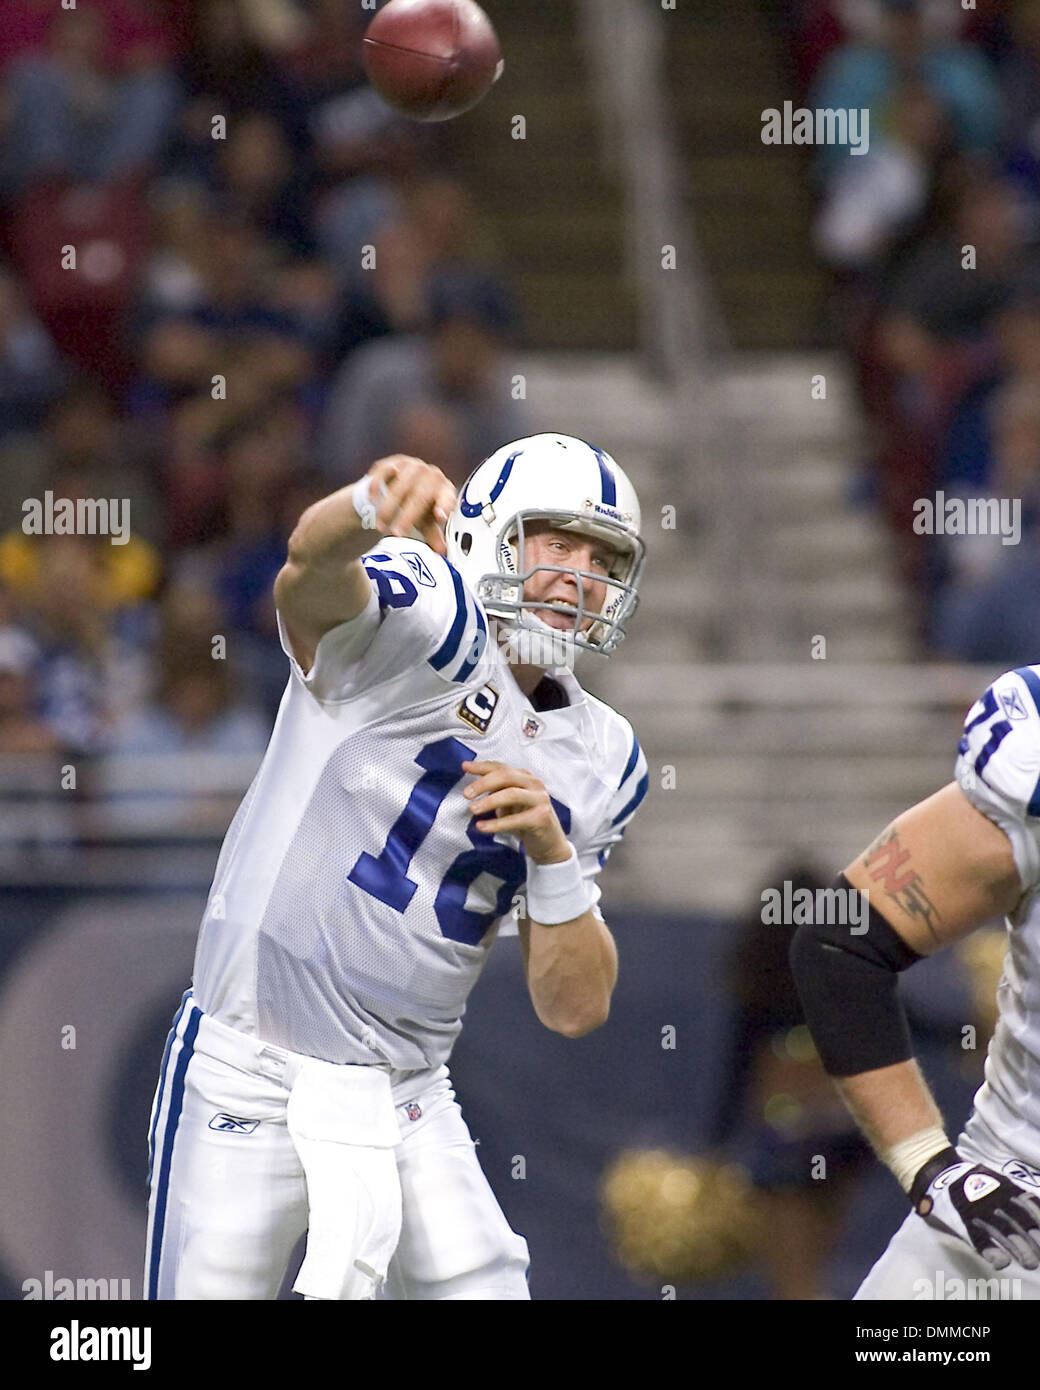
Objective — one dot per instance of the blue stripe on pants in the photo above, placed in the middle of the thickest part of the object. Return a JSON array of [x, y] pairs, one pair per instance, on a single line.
[[162, 1082], [169, 1136]]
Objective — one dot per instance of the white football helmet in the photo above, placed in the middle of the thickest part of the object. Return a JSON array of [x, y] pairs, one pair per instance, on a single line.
[[576, 487]]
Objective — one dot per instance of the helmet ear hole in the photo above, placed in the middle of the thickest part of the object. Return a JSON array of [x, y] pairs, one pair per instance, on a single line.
[[466, 543]]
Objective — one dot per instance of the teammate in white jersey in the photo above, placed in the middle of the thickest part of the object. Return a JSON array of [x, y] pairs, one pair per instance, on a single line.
[[435, 772], [967, 854]]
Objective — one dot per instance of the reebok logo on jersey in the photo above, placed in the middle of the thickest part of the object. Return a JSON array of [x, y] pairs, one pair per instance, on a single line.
[[979, 1185], [1012, 705], [419, 568], [478, 708], [232, 1124], [1021, 1172]]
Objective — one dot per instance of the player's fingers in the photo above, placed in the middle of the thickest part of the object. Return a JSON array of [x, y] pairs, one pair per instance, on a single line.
[[445, 504], [416, 506], [510, 799], [393, 481], [1028, 1211], [502, 777], [997, 1249], [480, 768], [505, 825], [442, 508], [1020, 1241], [387, 489], [385, 472]]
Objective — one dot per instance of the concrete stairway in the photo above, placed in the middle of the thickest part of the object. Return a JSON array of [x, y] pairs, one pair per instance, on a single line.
[[778, 752], [751, 203], [553, 213]]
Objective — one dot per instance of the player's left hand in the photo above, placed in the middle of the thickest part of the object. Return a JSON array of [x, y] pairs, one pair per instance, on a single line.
[[512, 800], [989, 1211]]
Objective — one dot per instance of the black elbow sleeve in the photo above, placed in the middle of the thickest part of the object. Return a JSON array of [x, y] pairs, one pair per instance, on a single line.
[[847, 982]]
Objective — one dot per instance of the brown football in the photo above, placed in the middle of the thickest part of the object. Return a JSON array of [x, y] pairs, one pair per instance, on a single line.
[[431, 59]]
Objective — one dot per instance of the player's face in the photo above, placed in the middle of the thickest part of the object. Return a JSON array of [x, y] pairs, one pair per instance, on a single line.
[[544, 546]]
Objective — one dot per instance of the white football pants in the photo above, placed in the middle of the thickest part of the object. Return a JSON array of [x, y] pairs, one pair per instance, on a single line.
[[238, 1174]]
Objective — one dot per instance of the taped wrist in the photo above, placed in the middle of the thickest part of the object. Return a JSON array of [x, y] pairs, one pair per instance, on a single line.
[[848, 987], [556, 893], [361, 496]]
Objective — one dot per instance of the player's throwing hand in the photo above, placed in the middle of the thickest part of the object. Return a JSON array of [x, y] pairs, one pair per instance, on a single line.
[[513, 801], [990, 1212], [400, 494]]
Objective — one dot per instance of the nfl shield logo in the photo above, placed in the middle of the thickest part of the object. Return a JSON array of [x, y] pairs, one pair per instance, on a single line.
[[531, 726], [413, 1110]]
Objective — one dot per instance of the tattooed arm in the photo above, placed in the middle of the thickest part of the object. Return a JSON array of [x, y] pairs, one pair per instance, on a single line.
[[938, 872]]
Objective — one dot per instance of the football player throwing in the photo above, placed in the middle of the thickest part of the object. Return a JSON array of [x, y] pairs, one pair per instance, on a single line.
[[435, 773]]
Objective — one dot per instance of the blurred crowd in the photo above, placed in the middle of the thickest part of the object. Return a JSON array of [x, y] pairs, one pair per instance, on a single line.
[[230, 279], [932, 237]]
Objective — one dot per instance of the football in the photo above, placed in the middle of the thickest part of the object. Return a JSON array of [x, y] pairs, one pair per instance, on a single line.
[[432, 59]]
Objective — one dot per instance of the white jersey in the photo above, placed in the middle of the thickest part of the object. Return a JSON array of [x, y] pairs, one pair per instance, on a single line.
[[998, 769], [354, 901]]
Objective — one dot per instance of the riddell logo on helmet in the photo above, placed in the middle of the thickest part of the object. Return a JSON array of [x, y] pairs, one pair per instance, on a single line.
[[612, 512]]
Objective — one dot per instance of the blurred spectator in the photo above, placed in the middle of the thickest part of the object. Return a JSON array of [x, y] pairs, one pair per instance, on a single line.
[[121, 576], [228, 337], [21, 729], [195, 710], [31, 371], [459, 366], [1020, 83], [173, 276], [175, 744], [939, 299], [936, 344], [95, 103], [392, 297], [83, 673], [867, 74], [79, 248], [262, 183], [873, 201], [364, 152], [236, 62], [987, 608]]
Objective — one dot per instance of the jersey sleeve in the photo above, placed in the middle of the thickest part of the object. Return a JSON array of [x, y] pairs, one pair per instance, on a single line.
[[419, 612], [625, 800], [632, 780], [998, 764]]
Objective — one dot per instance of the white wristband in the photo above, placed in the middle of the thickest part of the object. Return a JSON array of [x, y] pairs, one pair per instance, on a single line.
[[557, 892], [361, 497], [908, 1158]]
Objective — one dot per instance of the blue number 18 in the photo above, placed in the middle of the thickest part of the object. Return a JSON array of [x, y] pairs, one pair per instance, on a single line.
[[386, 877]]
